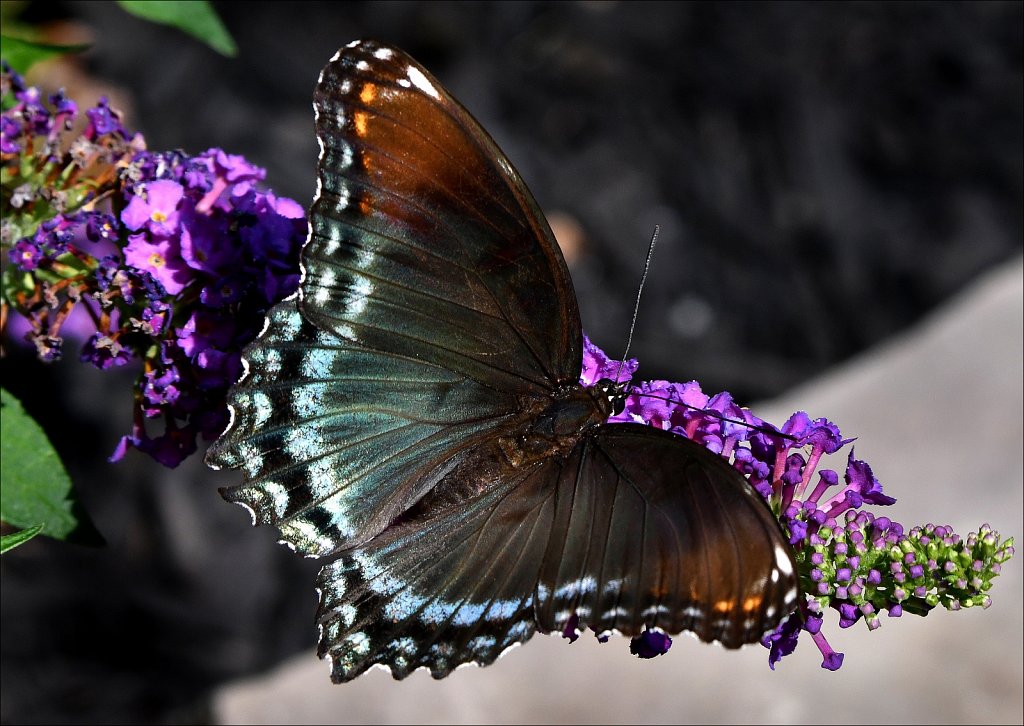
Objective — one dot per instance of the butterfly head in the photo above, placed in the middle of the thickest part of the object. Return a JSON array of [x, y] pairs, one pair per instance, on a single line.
[[615, 393]]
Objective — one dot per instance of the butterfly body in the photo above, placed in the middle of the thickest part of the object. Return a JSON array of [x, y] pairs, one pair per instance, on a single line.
[[416, 412]]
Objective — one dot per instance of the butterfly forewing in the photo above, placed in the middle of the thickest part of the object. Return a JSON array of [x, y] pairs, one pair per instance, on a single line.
[[425, 241], [433, 299], [331, 451]]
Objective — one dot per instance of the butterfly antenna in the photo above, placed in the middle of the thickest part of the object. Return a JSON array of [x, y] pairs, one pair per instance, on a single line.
[[629, 342], [639, 292]]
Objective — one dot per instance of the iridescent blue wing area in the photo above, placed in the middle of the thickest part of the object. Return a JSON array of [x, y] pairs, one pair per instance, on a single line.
[[434, 299], [336, 440], [635, 528], [453, 587]]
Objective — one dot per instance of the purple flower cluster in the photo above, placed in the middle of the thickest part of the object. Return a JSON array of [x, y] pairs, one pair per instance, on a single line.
[[31, 121], [175, 258], [210, 253], [848, 559]]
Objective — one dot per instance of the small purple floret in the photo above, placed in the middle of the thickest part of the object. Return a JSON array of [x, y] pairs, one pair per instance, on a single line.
[[650, 644]]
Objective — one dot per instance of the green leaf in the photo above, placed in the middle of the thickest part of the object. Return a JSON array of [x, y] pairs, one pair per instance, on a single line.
[[10, 541], [21, 54], [197, 18], [34, 486]]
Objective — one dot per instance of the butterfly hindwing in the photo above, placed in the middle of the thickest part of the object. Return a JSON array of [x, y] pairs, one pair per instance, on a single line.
[[456, 586], [654, 530], [599, 538]]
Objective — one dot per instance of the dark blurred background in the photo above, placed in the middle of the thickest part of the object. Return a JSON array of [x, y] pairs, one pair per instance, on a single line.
[[824, 175]]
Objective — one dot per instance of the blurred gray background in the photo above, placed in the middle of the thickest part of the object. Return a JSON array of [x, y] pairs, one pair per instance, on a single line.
[[839, 188]]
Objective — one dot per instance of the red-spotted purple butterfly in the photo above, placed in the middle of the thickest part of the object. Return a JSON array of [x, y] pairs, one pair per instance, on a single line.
[[416, 413]]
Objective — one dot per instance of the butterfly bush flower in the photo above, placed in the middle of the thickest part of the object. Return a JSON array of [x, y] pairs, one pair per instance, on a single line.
[[849, 559], [172, 259]]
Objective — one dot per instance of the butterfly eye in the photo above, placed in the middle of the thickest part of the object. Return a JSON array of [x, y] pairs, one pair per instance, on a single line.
[[614, 392]]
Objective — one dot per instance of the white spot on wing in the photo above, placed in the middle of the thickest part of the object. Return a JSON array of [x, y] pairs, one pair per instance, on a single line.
[[791, 595], [323, 290], [317, 363], [358, 295], [333, 591], [365, 258], [468, 614], [302, 536], [358, 642], [420, 81], [289, 322], [654, 610], [321, 471], [482, 643], [379, 580], [502, 609], [262, 408], [271, 362], [249, 458], [694, 613], [617, 612], [406, 645], [278, 496], [346, 332], [520, 630], [301, 445], [334, 508], [782, 561], [328, 279], [581, 586], [324, 488], [342, 198]]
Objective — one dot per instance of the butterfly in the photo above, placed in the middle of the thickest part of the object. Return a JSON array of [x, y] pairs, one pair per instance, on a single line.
[[416, 413]]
